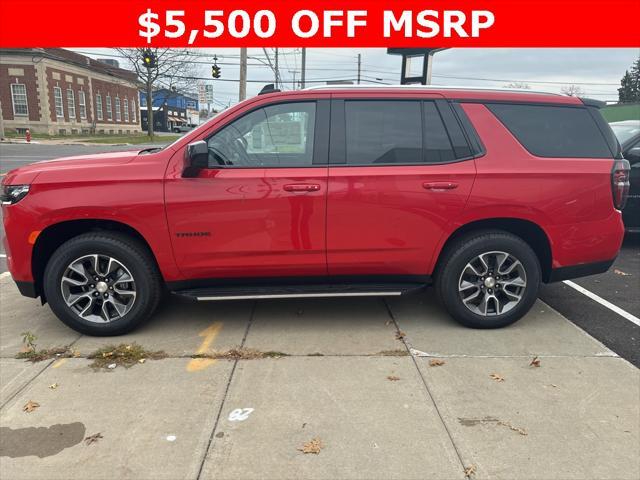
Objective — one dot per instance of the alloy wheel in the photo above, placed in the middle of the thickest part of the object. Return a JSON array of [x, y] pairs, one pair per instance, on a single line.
[[492, 283], [98, 288]]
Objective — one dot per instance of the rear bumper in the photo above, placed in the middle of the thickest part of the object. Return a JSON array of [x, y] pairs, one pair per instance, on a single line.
[[583, 270]]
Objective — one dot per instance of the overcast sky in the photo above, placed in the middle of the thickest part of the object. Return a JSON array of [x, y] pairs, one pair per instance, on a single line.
[[596, 71]]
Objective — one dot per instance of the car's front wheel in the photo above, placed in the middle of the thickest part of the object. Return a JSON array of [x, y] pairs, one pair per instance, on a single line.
[[102, 283], [488, 279]]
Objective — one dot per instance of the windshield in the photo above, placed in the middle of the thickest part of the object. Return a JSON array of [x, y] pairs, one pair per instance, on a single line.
[[625, 131]]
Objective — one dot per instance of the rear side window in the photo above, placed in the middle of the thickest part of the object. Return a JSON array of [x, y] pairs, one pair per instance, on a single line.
[[383, 132], [554, 131], [437, 144]]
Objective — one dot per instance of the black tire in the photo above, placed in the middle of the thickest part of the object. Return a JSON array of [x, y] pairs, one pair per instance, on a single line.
[[455, 259], [126, 250]]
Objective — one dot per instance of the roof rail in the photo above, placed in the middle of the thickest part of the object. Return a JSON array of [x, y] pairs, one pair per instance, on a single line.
[[428, 87], [269, 88]]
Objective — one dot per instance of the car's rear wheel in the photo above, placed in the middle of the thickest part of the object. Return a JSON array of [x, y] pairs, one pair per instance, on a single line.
[[488, 279], [102, 283]]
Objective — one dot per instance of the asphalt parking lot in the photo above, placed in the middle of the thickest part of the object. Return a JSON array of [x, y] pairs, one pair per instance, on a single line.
[[377, 388]]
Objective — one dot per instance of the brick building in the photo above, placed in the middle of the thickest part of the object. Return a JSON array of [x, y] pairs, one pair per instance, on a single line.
[[56, 91]]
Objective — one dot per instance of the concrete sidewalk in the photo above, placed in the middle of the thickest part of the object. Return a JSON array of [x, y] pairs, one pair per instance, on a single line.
[[347, 380]]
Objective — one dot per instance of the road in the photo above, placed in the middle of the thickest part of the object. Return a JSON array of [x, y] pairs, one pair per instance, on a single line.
[[620, 286]]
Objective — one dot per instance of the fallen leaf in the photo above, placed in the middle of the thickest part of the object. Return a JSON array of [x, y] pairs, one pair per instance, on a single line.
[[393, 378], [469, 471], [314, 446], [400, 335], [535, 362], [620, 272], [107, 354], [497, 377], [521, 431], [30, 406], [93, 438], [53, 386], [436, 362]]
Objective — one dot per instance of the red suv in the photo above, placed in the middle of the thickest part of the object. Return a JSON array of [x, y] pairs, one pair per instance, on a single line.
[[328, 192]]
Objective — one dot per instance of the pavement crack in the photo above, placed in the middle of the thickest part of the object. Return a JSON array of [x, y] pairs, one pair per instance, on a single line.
[[426, 386], [21, 389], [210, 442]]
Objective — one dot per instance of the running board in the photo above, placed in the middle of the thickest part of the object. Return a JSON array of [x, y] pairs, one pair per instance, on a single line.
[[300, 291]]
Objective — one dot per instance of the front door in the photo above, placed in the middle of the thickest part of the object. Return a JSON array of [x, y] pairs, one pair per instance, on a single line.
[[397, 178], [259, 210]]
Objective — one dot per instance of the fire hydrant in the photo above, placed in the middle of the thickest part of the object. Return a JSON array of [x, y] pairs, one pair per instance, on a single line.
[[28, 136]]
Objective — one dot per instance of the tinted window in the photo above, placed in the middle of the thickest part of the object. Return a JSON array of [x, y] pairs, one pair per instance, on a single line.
[[437, 144], [459, 141], [274, 136], [383, 132], [550, 131]]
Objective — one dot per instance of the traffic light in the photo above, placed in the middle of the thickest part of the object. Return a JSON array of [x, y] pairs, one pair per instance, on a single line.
[[215, 69], [149, 59]]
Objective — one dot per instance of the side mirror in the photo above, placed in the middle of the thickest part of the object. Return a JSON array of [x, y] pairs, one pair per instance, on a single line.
[[196, 158], [633, 155]]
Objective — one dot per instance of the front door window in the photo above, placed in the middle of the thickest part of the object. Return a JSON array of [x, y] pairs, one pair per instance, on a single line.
[[274, 136]]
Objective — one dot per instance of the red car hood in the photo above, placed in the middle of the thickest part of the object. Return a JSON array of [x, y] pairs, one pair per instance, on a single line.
[[28, 173]]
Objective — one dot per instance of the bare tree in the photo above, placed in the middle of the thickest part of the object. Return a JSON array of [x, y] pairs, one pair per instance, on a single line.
[[521, 85], [173, 69], [572, 90]]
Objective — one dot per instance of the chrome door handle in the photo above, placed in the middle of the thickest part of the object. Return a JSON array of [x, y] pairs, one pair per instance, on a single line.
[[302, 187], [439, 186]]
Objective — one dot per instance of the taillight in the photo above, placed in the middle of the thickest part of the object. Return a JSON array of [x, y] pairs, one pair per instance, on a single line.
[[620, 182]]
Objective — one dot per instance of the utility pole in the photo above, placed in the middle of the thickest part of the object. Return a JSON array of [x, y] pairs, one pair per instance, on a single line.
[[294, 72], [276, 68], [243, 74], [359, 67], [303, 75]]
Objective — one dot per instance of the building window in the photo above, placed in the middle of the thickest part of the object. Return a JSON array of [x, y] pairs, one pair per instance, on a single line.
[[19, 98], [71, 104], [82, 103], [118, 112], [109, 112], [57, 97], [99, 106], [125, 104], [133, 110]]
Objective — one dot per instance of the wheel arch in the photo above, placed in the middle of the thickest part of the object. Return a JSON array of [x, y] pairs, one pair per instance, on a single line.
[[530, 232], [56, 234]]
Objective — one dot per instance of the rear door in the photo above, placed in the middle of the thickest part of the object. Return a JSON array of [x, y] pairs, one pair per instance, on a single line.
[[400, 171], [259, 210]]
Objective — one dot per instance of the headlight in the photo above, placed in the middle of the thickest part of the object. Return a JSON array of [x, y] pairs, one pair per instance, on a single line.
[[13, 193]]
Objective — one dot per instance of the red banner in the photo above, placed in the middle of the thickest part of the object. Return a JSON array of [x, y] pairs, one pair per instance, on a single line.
[[316, 23]]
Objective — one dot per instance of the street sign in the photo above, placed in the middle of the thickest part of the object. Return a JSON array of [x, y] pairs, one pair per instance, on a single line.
[[205, 93]]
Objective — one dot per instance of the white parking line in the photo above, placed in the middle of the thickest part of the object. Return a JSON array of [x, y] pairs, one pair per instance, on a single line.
[[4, 274], [3, 255], [603, 302]]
